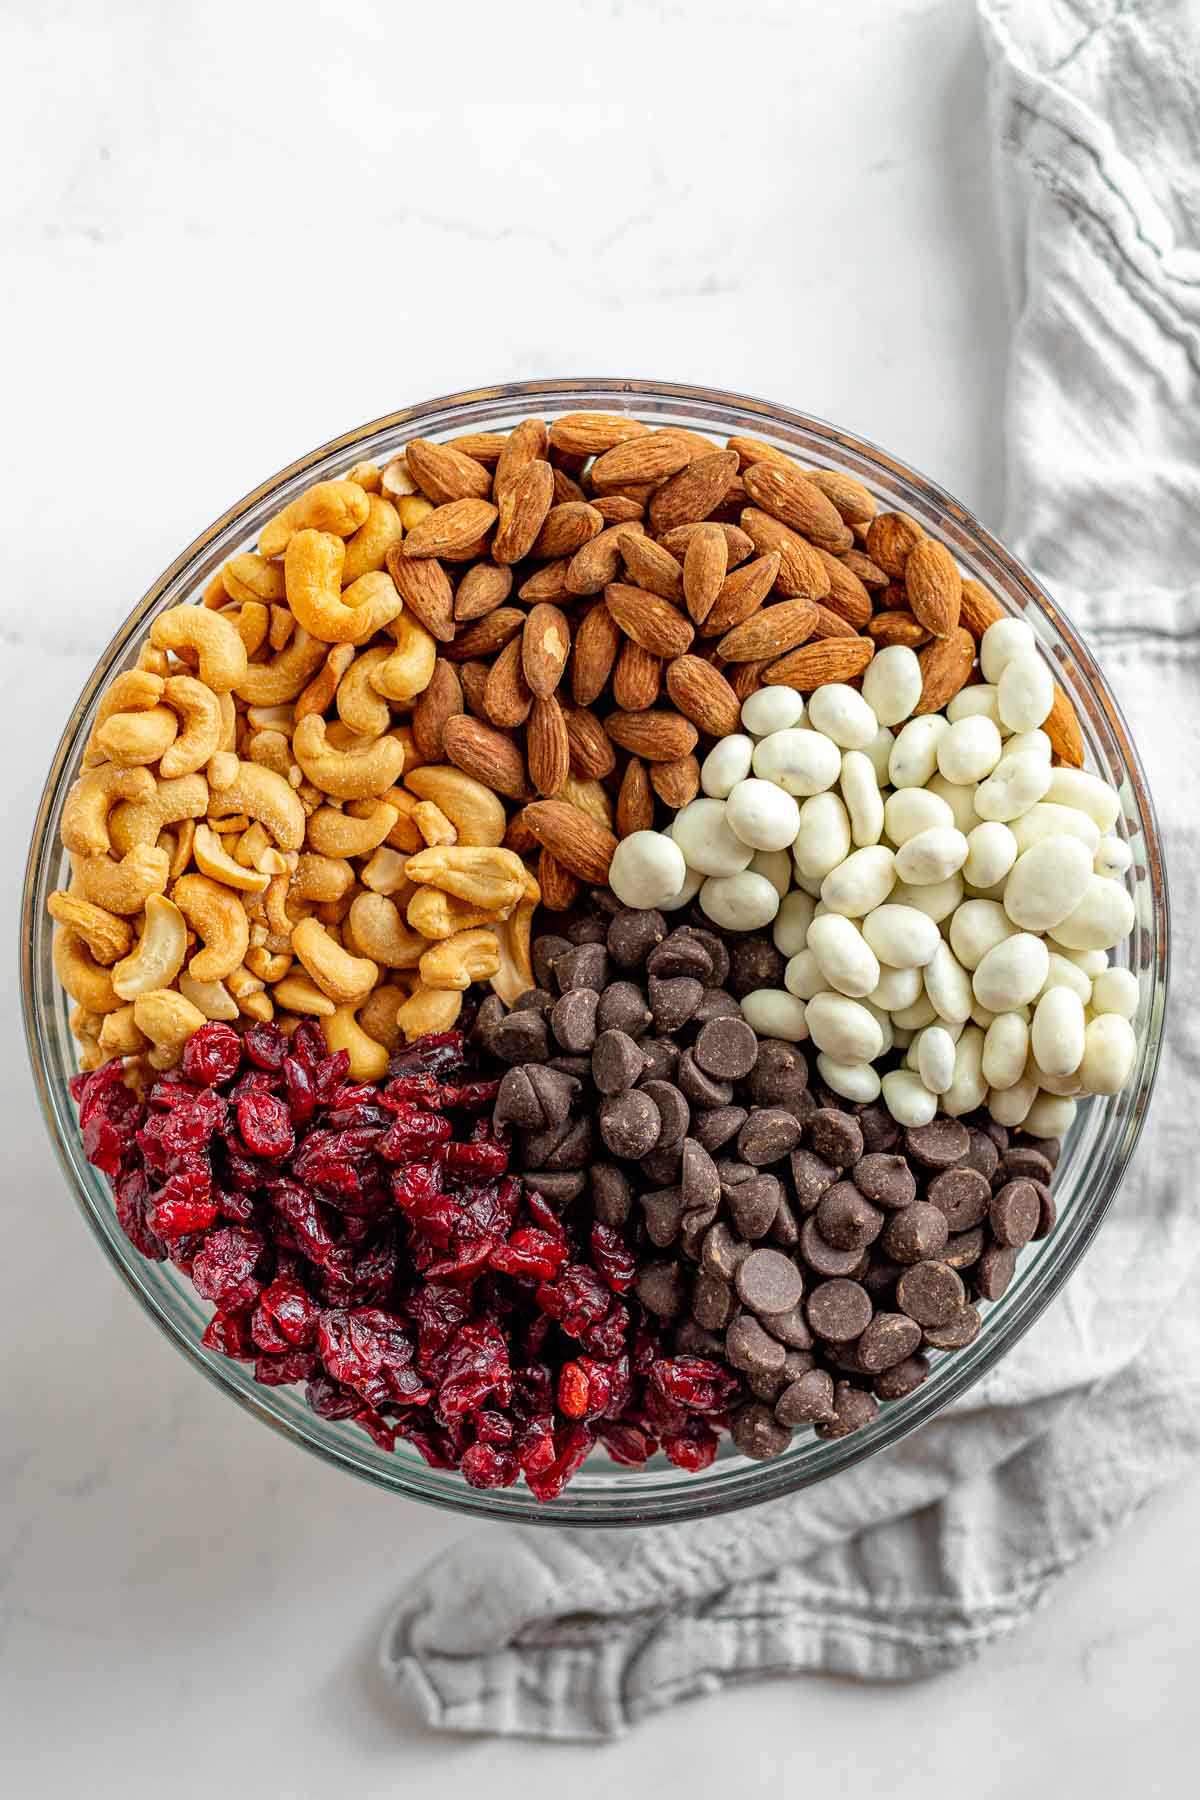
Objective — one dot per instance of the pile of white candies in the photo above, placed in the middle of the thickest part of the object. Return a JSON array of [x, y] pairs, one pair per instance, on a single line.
[[937, 886]]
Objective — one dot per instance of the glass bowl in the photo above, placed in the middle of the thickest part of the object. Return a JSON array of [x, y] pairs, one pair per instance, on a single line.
[[1096, 1152]]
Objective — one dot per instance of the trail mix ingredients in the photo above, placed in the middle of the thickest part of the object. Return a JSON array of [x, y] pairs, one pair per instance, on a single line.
[[815, 1247], [367, 1239]]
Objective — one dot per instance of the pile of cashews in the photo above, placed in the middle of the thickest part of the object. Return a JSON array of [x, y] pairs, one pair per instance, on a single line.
[[937, 885], [255, 833]]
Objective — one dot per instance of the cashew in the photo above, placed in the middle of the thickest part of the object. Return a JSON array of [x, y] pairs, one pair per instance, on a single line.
[[282, 628], [368, 1059], [159, 955], [268, 965], [106, 936], [142, 817], [515, 974], [85, 819], [299, 993], [279, 719], [80, 974], [184, 837], [321, 878], [168, 1020], [218, 918], [221, 770], [279, 681], [404, 834], [475, 812], [413, 758], [396, 479], [335, 506], [412, 508], [229, 722], [376, 596], [133, 738], [250, 577], [377, 1015], [366, 550], [406, 672], [254, 850], [380, 933], [212, 997], [154, 662], [332, 832], [457, 961], [253, 623], [244, 988], [122, 887], [359, 706], [318, 695], [257, 1006], [384, 873], [214, 638], [120, 1035], [137, 690], [367, 475], [271, 750], [369, 768], [214, 860], [429, 1009], [199, 712], [279, 913], [482, 875], [438, 915], [265, 796], [344, 978]]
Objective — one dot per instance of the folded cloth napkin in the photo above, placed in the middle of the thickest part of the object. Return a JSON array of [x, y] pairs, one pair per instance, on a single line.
[[918, 1559]]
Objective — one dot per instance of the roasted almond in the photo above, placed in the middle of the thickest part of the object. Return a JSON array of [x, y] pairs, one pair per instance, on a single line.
[[560, 889], [769, 632], [580, 844], [486, 447], [545, 646], [856, 503], [978, 608], [441, 700], [507, 698], [457, 532], [869, 573], [651, 567], [701, 693], [814, 665], [518, 837], [650, 621], [547, 751], [695, 492], [526, 443], [946, 666], [742, 593], [705, 562], [654, 736], [802, 574], [676, 783], [896, 628], [847, 595], [482, 589], [618, 509], [425, 589], [738, 544], [598, 562], [637, 677], [635, 800], [696, 443], [1061, 726], [831, 625], [593, 653], [592, 433], [787, 495], [568, 527], [524, 504], [549, 583], [753, 450], [934, 586], [640, 460], [747, 678], [444, 473], [591, 751], [566, 488], [489, 755], [474, 675], [890, 537], [487, 636]]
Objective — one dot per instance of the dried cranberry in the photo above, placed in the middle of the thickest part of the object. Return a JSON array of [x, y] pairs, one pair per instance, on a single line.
[[413, 1134], [224, 1269], [530, 1255], [212, 1055], [483, 1466], [265, 1125], [615, 1261], [265, 1045], [694, 1382], [483, 1162]]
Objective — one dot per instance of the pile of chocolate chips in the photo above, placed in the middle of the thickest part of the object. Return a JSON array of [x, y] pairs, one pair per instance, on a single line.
[[816, 1247]]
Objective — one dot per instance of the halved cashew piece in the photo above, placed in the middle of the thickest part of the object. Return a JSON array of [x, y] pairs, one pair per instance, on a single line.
[[404, 834], [429, 1009], [106, 936], [199, 713], [168, 1020], [214, 638], [474, 811], [267, 797], [131, 738], [377, 1015], [184, 835], [384, 873], [247, 990], [214, 860], [122, 887], [279, 719], [343, 977], [381, 934], [267, 964], [253, 623], [366, 550], [433, 824], [366, 712], [218, 918], [252, 577], [221, 770], [271, 750], [368, 1059], [137, 690], [367, 768], [438, 915], [254, 850], [277, 682], [332, 832], [229, 722], [406, 672], [120, 1035], [336, 506], [282, 628], [482, 875], [457, 961], [141, 818], [320, 691], [85, 819], [212, 997], [159, 955], [367, 475], [313, 572], [153, 661], [321, 878], [300, 993], [81, 975], [515, 974]]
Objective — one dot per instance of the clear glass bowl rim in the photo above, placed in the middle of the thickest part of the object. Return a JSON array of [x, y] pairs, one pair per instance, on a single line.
[[611, 1497]]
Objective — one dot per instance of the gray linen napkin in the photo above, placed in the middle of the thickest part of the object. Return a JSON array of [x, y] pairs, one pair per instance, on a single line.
[[919, 1559]]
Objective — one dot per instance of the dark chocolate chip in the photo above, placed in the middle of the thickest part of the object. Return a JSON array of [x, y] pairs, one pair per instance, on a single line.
[[516, 1102], [916, 1233], [715, 1003], [714, 1127], [964, 1248], [754, 963], [1020, 1162], [1049, 1210], [662, 1058], [982, 1155], [846, 1219], [1050, 1148], [780, 1073], [757, 1433], [1015, 1213], [617, 1062], [633, 934], [521, 1037], [905, 1378], [880, 1131], [808, 1401], [680, 954], [559, 1189], [836, 1136], [961, 1329], [588, 927], [712, 1301], [994, 1270], [726, 1049], [630, 1124], [839, 1310], [822, 1257], [748, 1346], [721, 1253], [662, 1288], [698, 1176], [938, 1145], [765, 1387], [881, 1276], [586, 966], [769, 1282], [767, 1136], [700, 1089], [885, 1179], [888, 1340], [790, 1328], [673, 1001], [753, 1204], [854, 1407], [930, 1292], [785, 1228], [612, 1195], [578, 1067], [623, 1008], [544, 952], [538, 1000], [661, 1164], [718, 955], [963, 1194], [673, 1110], [664, 1215], [811, 1177], [692, 1340], [573, 1020], [574, 1147]]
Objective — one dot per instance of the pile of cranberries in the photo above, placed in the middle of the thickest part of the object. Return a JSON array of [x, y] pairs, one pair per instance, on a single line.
[[367, 1240]]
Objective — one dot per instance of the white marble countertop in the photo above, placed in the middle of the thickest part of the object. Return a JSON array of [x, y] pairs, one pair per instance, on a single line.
[[230, 232]]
